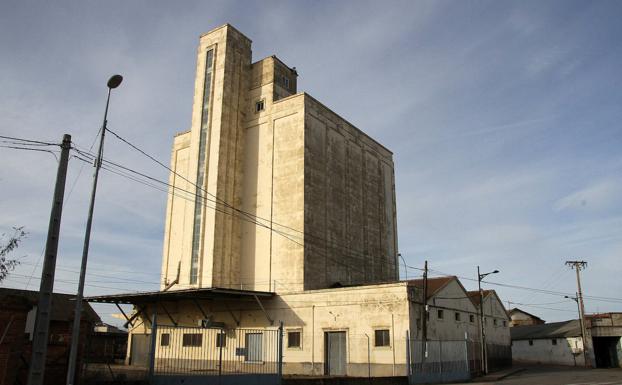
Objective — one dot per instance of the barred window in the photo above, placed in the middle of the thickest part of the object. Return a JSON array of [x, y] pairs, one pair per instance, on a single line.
[[165, 339], [221, 340], [193, 339]]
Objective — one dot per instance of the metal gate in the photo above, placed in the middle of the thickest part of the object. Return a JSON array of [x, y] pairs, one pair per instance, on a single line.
[[335, 348], [195, 355]]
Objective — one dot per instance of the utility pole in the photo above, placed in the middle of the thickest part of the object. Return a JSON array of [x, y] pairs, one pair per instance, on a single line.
[[113, 82], [577, 266], [424, 318], [46, 288]]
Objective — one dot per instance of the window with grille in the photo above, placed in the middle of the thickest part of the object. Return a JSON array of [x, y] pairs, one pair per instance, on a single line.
[[165, 339], [221, 340], [193, 339]]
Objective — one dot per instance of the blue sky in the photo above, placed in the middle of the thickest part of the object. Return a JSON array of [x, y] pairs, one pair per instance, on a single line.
[[504, 118]]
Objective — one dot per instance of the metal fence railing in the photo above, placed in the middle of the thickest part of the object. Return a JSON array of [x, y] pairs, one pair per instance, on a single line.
[[204, 351], [439, 361]]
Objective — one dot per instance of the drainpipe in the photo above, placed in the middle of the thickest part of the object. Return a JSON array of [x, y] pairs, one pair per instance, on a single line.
[[313, 339]]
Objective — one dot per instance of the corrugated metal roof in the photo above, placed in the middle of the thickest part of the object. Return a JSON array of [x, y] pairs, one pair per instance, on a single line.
[[570, 328], [174, 295]]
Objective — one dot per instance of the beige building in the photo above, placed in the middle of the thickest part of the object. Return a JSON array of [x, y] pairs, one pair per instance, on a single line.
[[281, 210], [289, 195]]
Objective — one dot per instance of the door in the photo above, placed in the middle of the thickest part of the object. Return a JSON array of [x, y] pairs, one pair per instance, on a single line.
[[254, 347], [335, 353], [139, 354]]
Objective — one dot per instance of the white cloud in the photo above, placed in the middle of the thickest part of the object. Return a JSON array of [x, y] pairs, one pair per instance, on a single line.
[[600, 196]]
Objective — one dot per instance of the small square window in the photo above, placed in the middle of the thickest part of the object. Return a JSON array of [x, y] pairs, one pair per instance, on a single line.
[[554, 341], [221, 340], [293, 339], [260, 105], [457, 316], [505, 323], [165, 339], [439, 314], [382, 338], [193, 339], [286, 82], [530, 342], [471, 318], [494, 322]]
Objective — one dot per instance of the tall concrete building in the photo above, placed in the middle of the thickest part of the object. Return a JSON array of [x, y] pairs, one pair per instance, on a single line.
[[286, 194], [281, 210]]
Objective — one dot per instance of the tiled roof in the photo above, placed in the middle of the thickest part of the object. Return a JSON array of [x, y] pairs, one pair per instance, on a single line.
[[434, 284]]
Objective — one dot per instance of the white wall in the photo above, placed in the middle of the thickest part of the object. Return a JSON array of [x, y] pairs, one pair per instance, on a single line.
[[544, 352]]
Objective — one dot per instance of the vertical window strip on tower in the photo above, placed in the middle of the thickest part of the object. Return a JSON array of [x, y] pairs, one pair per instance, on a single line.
[[198, 203]]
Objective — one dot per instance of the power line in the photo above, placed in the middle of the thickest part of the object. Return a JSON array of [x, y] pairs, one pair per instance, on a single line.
[[248, 218]]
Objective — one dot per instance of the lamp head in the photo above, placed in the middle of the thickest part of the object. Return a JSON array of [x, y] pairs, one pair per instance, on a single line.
[[494, 272], [114, 81]]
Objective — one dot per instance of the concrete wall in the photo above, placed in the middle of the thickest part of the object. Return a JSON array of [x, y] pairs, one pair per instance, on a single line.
[[350, 220], [496, 321], [451, 299], [316, 195], [567, 351], [358, 311]]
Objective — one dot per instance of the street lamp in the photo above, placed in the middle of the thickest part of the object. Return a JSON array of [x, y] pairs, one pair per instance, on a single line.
[[482, 334], [576, 299], [405, 271], [113, 82]]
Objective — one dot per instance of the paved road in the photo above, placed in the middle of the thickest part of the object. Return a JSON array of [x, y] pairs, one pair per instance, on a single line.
[[545, 375]]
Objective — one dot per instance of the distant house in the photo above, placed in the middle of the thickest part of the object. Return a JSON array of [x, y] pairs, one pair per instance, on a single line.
[[18, 309], [520, 317], [557, 343], [108, 344]]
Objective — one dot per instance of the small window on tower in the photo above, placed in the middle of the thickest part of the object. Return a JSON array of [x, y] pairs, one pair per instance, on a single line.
[[471, 318], [382, 337], [260, 105]]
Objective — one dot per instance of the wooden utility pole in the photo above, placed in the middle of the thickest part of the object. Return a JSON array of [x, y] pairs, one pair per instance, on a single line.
[[577, 266], [46, 288]]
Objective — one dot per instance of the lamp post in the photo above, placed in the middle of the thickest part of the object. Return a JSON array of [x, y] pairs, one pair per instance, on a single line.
[[482, 334], [113, 82], [583, 341]]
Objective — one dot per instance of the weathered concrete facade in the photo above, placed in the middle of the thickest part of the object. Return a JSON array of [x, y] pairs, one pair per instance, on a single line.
[[272, 190]]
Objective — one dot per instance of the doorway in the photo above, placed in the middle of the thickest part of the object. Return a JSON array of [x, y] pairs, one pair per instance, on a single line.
[[139, 354], [335, 353], [605, 352]]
